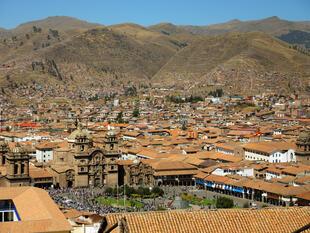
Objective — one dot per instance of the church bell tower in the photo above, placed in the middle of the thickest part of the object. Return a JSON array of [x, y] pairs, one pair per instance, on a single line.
[[303, 148]]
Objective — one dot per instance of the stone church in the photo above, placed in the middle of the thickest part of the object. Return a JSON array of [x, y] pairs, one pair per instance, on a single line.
[[81, 164], [14, 166]]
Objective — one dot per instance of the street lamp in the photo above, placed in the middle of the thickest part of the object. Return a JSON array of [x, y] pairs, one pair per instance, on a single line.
[[193, 178], [177, 179]]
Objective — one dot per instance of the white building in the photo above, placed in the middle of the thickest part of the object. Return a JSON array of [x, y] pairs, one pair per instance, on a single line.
[[225, 148], [273, 173], [272, 152], [44, 152], [229, 170]]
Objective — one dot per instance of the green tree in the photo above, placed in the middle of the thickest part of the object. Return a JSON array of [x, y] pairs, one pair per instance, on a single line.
[[224, 202], [158, 191], [108, 191], [136, 113], [119, 118]]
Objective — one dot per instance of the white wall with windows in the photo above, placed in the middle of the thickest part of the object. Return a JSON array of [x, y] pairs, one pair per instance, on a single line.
[[270, 175], [44, 155], [282, 157], [241, 172], [276, 156]]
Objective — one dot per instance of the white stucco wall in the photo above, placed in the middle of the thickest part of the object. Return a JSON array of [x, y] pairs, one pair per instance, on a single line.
[[241, 172], [44, 155], [274, 157]]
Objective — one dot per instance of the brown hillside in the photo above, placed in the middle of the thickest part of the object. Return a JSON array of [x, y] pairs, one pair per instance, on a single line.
[[3, 32], [57, 23], [237, 55], [104, 50], [119, 56], [147, 36]]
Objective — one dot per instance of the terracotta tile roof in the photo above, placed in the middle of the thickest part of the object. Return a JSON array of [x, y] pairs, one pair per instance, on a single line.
[[223, 220], [165, 164], [35, 172], [132, 133], [284, 179], [216, 178], [305, 196], [204, 154], [48, 145], [125, 162], [72, 213], [37, 211], [175, 173], [303, 180], [274, 170], [154, 154], [200, 175], [292, 170], [228, 158]]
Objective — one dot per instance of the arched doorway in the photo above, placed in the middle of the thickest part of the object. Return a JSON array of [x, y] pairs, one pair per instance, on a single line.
[[96, 168], [140, 182], [70, 177], [69, 184]]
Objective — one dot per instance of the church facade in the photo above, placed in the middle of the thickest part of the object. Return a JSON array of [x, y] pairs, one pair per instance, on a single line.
[[82, 164]]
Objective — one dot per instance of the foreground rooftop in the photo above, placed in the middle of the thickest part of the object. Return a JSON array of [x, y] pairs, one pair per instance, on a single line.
[[222, 220]]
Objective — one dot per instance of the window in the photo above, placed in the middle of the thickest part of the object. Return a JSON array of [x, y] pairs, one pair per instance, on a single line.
[[82, 169], [22, 168], [15, 168], [8, 216], [6, 210]]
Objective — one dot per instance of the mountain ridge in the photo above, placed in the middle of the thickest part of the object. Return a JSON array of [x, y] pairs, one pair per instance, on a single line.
[[56, 22], [117, 57], [272, 25]]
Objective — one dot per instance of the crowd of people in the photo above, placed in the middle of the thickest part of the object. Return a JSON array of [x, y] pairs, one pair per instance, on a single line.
[[84, 199]]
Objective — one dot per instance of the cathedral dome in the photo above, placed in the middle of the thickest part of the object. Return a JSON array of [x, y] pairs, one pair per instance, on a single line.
[[79, 133], [17, 149]]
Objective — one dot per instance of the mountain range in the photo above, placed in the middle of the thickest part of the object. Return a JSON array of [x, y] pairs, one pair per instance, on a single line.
[[241, 57]]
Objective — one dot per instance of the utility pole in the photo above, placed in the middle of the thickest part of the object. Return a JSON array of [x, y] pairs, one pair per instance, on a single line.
[[117, 194], [125, 197]]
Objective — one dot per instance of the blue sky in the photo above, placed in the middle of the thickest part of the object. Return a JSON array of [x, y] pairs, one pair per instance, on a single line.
[[146, 12]]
